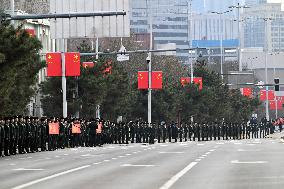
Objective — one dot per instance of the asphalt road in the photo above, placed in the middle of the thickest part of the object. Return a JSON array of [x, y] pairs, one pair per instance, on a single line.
[[246, 164]]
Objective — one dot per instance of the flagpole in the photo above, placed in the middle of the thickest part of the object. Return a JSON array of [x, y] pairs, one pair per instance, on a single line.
[[149, 61], [63, 79]]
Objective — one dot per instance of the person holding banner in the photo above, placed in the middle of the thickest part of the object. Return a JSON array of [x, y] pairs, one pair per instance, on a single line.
[[53, 132], [99, 132]]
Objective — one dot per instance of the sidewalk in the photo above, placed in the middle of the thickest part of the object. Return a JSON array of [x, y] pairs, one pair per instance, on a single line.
[[276, 135]]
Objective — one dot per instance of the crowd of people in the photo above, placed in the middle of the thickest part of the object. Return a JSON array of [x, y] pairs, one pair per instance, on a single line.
[[30, 134]]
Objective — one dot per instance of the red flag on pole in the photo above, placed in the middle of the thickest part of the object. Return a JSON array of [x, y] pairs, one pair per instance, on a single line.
[[31, 32], [88, 64], [157, 80], [198, 81], [72, 64], [262, 95], [271, 95], [273, 104], [246, 92], [184, 81], [54, 67], [143, 80]]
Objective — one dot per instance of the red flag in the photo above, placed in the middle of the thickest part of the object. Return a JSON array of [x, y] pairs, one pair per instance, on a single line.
[[246, 92], [263, 95], [53, 128], [76, 128], [88, 64], [157, 80], [54, 67], [72, 64], [274, 103], [31, 32], [184, 81], [198, 81], [143, 80], [108, 67], [271, 95]]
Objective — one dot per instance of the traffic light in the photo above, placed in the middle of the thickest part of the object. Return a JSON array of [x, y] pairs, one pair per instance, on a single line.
[[276, 81]]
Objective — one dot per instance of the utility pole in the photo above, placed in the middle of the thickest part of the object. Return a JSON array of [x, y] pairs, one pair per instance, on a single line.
[[221, 39], [12, 5], [190, 26], [238, 7], [149, 61], [266, 69]]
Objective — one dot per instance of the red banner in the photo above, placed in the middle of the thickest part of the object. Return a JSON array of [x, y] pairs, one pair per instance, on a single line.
[[275, 105], [54, 67], [76, 128], [157, 80], [100, 128], [143, 79], [53, 128], [88, 64], [246, 92], [184, 81], [270, 95], [31, 32], [72, 64]]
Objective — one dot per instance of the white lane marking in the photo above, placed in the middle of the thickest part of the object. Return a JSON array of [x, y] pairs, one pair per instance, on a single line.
[[212, 150], [220, 143], [12, 164], [139, 151], [200, 144], [23, 169], [106, 160], [207, 153], [66, 154], [238, 143], [145, 149], [198, 159], [171, 152], [131, 165], [114, 158], [50, 177], [201, 157], [164, 145], [57, 156], [243, 150], [134, 152], [97, 163], [175, 178], [128, 154], [121, 156], [204, 155], [248, 162]]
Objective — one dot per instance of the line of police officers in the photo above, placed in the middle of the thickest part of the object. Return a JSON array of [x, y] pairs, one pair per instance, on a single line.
[[29, 134]]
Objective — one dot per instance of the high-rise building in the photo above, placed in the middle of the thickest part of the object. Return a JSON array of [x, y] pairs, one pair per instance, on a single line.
[[170, 21], [267, 34]]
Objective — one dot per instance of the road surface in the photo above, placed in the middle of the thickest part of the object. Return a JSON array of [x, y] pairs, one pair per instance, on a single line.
[[249, 164]]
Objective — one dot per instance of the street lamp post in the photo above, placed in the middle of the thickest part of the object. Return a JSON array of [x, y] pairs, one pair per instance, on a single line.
[[221, 38], [266, 70], [238, 7]]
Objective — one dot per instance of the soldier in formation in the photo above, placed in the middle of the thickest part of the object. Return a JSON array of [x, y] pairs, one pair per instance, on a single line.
[[30, 134]]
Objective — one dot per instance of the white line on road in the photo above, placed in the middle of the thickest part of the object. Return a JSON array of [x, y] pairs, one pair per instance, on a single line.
[[200, 144], [23, 169], [50, 177], [175, 178], [198, 159], [128, 154], [130, 165], [114, 158], [208, 153], [121, 156], [248, 162], [243, 150], [106, 160], [97, 163], [171, 152], [212, 150]]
